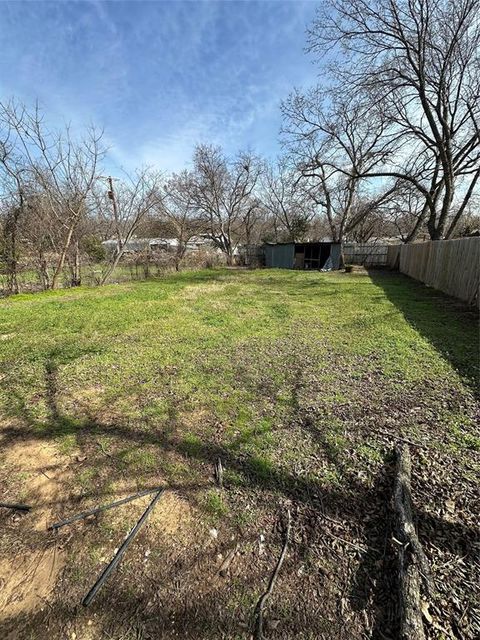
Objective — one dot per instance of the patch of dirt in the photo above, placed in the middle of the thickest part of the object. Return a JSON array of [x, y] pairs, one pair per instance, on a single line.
[[172, 513], [29, 575], [89, 394], [89, 400], [172, 516], [26, 582], [192, 419], [44, 472]]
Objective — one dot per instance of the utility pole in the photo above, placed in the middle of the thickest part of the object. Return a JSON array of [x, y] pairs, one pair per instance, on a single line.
[[111, 195], [119, 248]]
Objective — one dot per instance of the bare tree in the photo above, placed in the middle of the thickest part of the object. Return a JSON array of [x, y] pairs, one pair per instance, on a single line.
[[419, 60], [13, 190], [332, 142], [63, 169], [223, 194], [9, 245], [125, 207], [42, 235], [286, 199], [177, 206], [253, 219], [404, 214]]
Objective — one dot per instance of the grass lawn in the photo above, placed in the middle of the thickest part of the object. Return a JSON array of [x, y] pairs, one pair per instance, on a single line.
[[300, 383]]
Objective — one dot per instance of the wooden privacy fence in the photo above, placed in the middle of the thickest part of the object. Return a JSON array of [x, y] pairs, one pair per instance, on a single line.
[[366, 254], [452, 266]]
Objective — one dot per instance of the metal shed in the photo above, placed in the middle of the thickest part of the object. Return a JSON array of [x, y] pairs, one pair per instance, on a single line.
[[303, 255]]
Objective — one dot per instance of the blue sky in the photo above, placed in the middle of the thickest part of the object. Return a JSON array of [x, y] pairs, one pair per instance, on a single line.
[[159, 76]]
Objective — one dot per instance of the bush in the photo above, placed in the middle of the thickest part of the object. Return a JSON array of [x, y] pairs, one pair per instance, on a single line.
[[94, 249]]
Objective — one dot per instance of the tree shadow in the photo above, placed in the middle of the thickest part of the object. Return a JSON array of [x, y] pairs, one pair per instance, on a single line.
[[364, 507], [373, 585], [447, 324], [122, 612]]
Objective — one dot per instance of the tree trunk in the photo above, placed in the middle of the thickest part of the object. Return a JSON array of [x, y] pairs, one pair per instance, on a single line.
[[463, 206], [121, 244], [436, 226], [12, 278], [76, 279], [413, 570], [63, 254], [43, 270], [11, 251], [180, 252], [420, 220], [111, 268]]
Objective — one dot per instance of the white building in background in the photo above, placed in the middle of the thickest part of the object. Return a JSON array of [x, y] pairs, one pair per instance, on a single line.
[[137, 245]]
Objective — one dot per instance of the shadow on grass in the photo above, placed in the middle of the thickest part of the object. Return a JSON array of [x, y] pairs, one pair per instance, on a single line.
[[449, 326], [364, 507], [124, 612]]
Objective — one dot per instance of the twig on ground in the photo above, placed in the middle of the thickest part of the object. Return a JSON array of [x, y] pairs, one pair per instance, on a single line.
[[46, 602], [258, 613], [401, 438], [330, 519], [358, 547]]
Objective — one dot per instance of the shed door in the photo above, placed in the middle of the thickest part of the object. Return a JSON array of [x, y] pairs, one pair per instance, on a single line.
[[299, 256]]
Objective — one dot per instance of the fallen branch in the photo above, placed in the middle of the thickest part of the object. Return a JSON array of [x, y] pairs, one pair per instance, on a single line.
[[16, 507], [413, 569], [91, 512], [118, 556], [258, 613]]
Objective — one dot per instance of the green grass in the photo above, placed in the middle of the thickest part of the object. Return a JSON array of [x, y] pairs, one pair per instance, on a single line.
[[214, 505], [282, 373]]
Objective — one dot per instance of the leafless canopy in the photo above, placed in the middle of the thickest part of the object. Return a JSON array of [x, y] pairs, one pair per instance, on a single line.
[[177, 206], [59, 168], [285, 197], [224, 193], [419, 63], [332, 142]]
